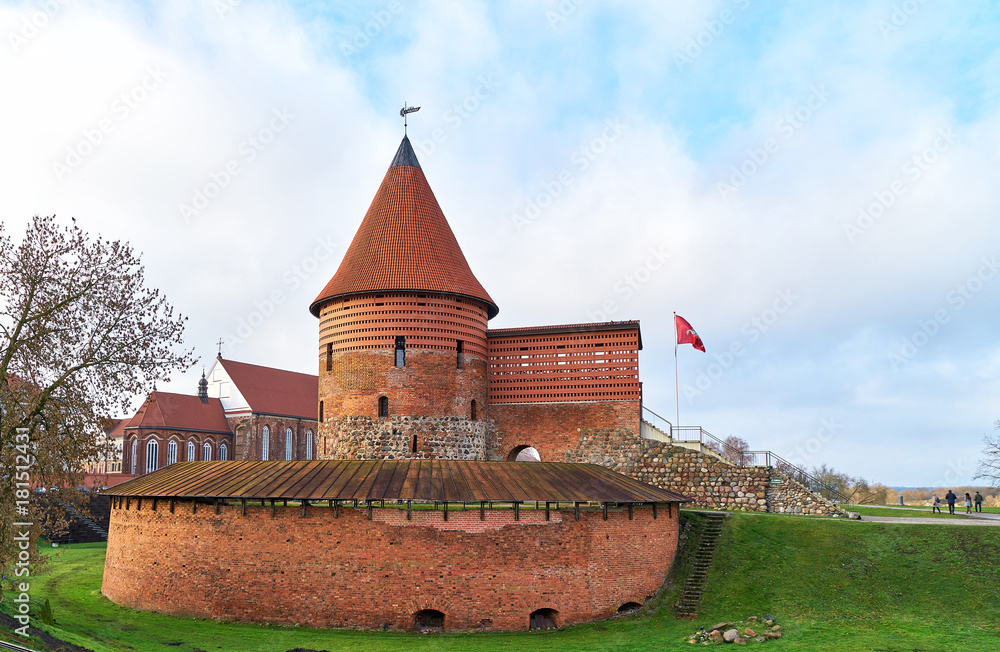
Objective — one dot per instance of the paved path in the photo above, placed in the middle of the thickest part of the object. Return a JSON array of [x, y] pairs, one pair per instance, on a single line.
[[960, 518]]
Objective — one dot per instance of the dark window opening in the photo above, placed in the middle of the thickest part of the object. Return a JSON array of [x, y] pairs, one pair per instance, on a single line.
[[458, 355], [428, 620], [629, 608], [400, 351], [383, 406], [543, 619], [329, 357], [413, 448], [321, 410], [473, 410]]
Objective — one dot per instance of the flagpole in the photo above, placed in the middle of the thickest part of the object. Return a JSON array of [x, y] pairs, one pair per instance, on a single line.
[[677, 394]]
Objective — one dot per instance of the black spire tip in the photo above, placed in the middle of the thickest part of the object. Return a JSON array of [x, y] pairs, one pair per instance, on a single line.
[[405, 155]]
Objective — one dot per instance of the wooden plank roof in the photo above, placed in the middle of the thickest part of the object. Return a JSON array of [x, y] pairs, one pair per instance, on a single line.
[[417, 480]]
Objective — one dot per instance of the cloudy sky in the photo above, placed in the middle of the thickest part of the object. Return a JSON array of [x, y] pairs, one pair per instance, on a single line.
[[813, 187]]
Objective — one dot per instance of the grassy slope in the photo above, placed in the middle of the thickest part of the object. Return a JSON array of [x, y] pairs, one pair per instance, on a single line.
[[834, 585]]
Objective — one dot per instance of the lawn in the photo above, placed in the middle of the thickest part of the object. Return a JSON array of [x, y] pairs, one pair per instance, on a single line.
[[831, 584]]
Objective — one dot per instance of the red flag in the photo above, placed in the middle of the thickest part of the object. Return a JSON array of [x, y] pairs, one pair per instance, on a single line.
[[686, 334]]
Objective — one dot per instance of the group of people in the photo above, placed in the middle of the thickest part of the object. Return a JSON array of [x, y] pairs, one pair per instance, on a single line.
[[950, 498]]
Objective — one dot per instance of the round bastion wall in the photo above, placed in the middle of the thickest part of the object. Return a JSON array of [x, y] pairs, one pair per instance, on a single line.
[[335, 568]]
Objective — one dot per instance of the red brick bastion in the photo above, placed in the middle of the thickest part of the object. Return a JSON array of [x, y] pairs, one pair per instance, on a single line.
[[384, 567]]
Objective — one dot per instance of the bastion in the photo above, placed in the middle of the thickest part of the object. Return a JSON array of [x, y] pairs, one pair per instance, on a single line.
[[441, 545]]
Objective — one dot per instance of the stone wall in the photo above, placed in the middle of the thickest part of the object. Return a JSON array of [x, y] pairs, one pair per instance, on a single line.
[[397, 438], [792, 497], [710, 481], [320, 570]]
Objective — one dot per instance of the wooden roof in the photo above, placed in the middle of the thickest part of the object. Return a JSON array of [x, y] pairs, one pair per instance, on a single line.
[[417, 480]]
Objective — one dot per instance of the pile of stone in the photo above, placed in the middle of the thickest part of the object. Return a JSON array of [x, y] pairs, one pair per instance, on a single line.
[[756, 629]]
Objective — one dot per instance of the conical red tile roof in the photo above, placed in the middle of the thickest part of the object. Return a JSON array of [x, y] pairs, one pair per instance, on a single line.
[[404, 243]]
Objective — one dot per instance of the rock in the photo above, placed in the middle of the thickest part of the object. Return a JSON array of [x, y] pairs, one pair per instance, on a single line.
[[768, 622], [719, 626], [730, 635], [761, 639], [751, 619], [767, 617], [749, 633], [740, 640], [776, 628], [715, 635], [771, 635], [855, 515]]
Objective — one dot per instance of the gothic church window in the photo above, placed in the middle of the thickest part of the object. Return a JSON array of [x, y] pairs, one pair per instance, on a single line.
[[206, 452], [223, 452], [288, 444], [309, 444], [171, 452], [265, 442], [152, 453]]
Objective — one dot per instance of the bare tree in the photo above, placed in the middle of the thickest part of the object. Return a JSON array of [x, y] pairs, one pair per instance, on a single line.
[[80, 334], [989, 465], [735, 449]]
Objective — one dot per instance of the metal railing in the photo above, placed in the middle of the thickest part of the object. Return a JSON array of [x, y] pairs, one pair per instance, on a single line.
[[741, 457]]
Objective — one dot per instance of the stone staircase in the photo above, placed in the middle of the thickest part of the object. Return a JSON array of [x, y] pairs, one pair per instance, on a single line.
[[687, 605]]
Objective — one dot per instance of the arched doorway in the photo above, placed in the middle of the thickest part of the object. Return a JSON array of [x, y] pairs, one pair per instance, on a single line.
[[428, 620], [543, 619], [524, 453]]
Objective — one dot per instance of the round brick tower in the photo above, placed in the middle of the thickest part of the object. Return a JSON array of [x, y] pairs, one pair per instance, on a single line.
[[402, 334]]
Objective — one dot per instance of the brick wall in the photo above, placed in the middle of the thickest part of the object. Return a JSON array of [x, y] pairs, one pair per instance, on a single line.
[[350, 572], [555, 429], [430, 384]]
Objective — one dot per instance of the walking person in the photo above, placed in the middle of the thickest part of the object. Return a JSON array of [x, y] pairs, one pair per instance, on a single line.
[[951, 498], [935, 504], [979, 501], [968, 503]]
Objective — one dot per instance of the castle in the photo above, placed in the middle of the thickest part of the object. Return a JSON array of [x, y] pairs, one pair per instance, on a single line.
[[414, 512]]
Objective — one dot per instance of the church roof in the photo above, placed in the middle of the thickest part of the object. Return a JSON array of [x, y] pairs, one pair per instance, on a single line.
[[419, 480], [275, 391], [167, 411], [404, 243]]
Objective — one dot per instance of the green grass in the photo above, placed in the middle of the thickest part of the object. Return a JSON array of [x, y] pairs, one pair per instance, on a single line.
[[832, 585]]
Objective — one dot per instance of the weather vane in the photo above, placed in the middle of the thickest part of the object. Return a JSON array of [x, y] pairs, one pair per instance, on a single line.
[[404, 111]]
